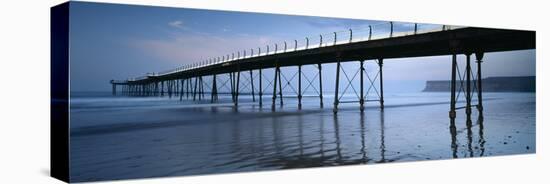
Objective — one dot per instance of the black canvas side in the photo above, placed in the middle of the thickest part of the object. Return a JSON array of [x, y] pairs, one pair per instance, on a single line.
[[59, 88]]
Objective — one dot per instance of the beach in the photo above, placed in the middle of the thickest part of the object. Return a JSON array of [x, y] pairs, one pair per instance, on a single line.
[[128, 137]]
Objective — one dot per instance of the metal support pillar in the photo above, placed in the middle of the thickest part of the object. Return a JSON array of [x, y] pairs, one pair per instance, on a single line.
[[162, 88], [195, 89], [237, 88], [187, 86], [214, 95], [280, 86], [176, 88], [468, 88], [320, 86], [275, 87], [156, 88], [479, 57], [362, 98], [252, 86], [261, 89], [335, 109], [184, 87], [169, 89], [380, 64], [173, 88], [452, 112], [181, 90], [201, 89], [114, 89], [232, 82], [299, 86]]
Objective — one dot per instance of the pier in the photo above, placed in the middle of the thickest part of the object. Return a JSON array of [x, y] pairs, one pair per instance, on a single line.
[[238, 71]]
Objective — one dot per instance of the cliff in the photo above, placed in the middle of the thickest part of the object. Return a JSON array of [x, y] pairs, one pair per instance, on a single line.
[[490, 84]]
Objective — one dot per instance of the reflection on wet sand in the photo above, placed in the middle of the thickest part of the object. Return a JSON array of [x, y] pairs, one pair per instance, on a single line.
[[469, 137], [301, 149], [382, 139], [481, 138], [363, 147], [337, 138], [187, 140], [454, 145]]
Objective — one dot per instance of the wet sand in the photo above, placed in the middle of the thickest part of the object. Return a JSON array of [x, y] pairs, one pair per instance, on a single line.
[[122, 138]]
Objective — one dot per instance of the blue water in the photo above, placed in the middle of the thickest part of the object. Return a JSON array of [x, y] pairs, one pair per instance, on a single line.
[[134, 137]]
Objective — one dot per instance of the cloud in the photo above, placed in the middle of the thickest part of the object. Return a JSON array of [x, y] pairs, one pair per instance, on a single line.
[[177, 24], [184, 48], [338, 24]]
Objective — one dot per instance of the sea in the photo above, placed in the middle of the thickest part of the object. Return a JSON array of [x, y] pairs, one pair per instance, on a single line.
[[121, 137]]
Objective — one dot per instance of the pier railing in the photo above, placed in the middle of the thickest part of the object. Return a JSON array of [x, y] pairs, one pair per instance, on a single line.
[[366, 33]]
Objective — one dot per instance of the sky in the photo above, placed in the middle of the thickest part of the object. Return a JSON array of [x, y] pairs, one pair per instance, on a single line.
[[113, 41]]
